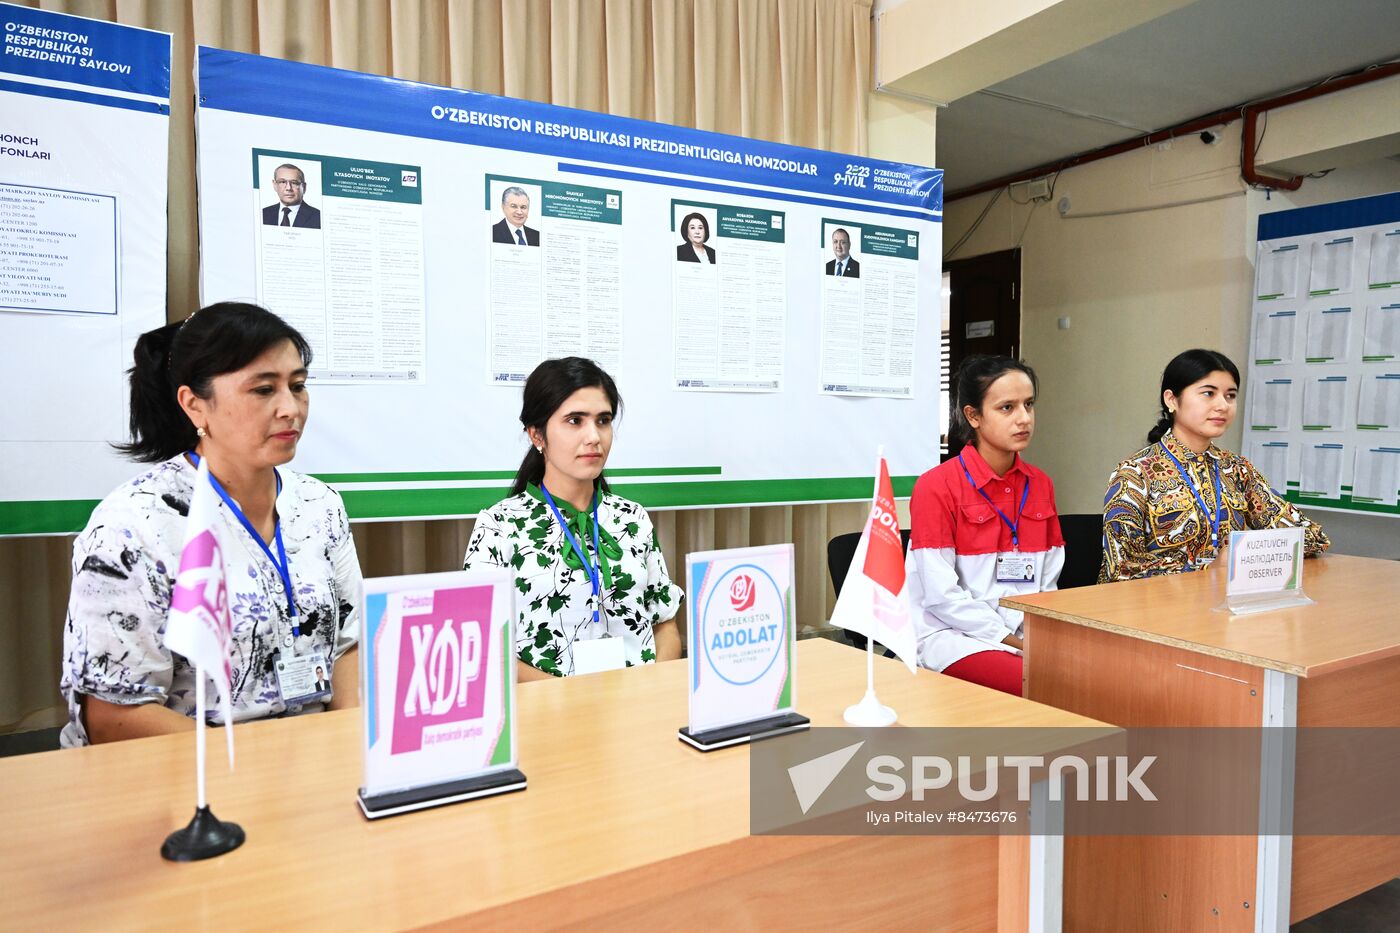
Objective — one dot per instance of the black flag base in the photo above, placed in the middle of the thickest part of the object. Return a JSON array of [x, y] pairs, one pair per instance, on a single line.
[[205, 837]]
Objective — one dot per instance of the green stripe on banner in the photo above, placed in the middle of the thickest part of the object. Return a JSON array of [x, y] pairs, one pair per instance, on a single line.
[[45, 517], [451, 475], [428, 503], [69, 516]]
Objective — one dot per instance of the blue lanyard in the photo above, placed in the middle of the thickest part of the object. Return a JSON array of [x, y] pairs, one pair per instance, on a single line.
[[1015, 541], [593, 574], [283, 566], [1213, 518]]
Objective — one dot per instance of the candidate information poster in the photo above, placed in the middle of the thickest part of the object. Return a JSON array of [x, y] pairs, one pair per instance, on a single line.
[[438, 671], [869, 309], [730, 317], [340, 256], [681, 261], [83, 191], [556, 274]]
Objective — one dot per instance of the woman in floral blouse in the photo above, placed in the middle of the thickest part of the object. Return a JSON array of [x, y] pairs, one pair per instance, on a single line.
[[592, 591], [228, 385], [1171, 506]]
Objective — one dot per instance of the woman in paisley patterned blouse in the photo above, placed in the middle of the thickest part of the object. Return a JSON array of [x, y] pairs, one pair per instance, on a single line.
[[228, 384], [1171, 506], [592, 591]]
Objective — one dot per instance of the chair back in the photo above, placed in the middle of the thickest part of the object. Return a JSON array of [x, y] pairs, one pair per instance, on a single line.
[[840, 551], [1083, 536]]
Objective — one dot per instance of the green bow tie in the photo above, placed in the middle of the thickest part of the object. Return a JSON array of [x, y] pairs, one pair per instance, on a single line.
[[580, 523]]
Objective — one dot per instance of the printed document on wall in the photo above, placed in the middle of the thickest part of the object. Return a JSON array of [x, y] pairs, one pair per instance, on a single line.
[[1379, 408], [1325, 403], [340, 256], [1322, 471], [1331, 266], [1382, 338], [1329, 335], [1377, 477], [84, 137], [1278, 272], [1273, 460], [728, 297], [869, 278], [556, 274], [1272, 407], [1385, 259], [1273, 336]]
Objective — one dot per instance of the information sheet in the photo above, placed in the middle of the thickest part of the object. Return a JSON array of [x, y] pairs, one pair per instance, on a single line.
[[1325, 403], [1329, 335], [1272, 406], [1273, 336], [1377, 477], [556, 274], [869, 309], [1382, 336], [1278, 272], [1331, 266], [729, 297], [340, 257], [1322, 471]]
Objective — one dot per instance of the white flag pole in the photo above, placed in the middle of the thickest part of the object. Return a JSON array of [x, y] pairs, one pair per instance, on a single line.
[[199, 732], [870, 711], [870, 642]]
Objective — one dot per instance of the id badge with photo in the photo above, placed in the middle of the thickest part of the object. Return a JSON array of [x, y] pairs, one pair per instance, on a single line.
[[1015, 568], [297, 679]]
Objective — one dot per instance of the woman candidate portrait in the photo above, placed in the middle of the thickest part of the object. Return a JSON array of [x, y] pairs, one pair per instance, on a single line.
[[227, 386], [695, 233]]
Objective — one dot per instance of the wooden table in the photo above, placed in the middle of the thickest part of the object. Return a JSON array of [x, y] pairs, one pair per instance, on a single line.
[[622, 826], [1153, 652]]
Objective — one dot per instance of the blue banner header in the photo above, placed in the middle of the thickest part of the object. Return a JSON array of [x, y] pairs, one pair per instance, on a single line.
[[1322, 218], [253, 84], [87, 52]]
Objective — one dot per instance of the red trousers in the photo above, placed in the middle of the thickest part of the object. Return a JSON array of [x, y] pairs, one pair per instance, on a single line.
[[1000, 670]]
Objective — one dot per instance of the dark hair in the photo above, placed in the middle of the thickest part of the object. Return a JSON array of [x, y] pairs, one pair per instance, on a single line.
[[685, 226], [970, 383], [221, 338], [1184, 370], [548, 387]]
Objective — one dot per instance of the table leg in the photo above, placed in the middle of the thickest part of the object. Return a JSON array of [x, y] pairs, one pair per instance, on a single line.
[[1273, 875], [1047, 859]]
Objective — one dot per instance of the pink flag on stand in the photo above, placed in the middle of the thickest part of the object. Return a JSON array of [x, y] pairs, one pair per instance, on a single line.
[[873, 599], [198, 626]]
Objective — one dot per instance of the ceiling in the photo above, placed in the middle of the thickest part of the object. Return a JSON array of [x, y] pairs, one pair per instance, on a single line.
[[1205, 57]]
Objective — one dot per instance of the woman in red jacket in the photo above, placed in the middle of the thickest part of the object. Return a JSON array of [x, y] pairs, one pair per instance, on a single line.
[[983, 526]]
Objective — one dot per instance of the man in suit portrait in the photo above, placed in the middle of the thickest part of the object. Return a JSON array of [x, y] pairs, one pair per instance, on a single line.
[[290, 210], [322, 684], [515, 204], [843, 265]]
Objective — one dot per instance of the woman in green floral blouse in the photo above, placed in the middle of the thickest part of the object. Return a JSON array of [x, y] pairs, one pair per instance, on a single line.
[[592, 591]]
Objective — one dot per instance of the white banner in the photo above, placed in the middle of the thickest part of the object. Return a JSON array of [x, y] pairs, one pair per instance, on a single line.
[[436, 244], [83, 192]]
